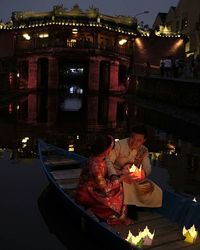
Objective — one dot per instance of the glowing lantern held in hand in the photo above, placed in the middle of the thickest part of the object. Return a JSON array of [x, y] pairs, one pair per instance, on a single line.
[[190, 234], [137, 172]]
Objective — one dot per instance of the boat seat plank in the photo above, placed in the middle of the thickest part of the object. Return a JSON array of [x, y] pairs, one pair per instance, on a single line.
[[177, 245], [159, 223], [168, 235], [62, 162], [66, 174], [68, 185], [66, 181], [165, 231], [148, 215]]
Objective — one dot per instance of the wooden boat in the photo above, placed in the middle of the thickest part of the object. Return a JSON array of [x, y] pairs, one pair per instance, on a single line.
[[63, 168]]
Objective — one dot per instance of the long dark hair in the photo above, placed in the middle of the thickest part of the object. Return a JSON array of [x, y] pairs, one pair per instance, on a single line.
[[101, 144]]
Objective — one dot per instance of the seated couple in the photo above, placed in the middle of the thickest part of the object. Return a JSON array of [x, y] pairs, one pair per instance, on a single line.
[[107, 186]]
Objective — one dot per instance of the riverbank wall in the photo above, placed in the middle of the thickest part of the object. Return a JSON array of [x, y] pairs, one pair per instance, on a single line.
[[184, 93]]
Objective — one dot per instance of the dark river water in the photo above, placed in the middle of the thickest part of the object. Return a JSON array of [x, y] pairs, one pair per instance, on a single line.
[[31, 215]]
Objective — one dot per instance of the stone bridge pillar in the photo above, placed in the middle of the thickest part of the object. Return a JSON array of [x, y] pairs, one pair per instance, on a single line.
[[114, 76], [53, 75], [32, 73], [94, 72], [112, 112], [32, 108]]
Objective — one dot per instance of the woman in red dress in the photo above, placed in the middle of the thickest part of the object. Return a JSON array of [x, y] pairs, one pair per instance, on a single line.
[[101, 194]]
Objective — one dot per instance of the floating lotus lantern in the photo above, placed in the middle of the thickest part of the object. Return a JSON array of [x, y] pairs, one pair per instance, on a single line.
[[144, 238], [135, 240], [190, 234], [147, 236]]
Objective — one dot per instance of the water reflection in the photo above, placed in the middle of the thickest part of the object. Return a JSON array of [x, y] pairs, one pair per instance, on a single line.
[[71, 120]]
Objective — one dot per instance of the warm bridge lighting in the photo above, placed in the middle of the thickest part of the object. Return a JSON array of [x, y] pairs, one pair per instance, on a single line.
[[43, 35], [122, 41], [26, 36], [74, 31]]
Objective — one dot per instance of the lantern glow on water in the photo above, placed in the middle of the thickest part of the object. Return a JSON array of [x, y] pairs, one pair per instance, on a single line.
[[190, 234], [144, 238]]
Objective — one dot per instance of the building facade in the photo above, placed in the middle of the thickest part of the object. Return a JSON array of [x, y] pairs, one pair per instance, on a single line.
[[71, 49], [184, 19], [80, 51]]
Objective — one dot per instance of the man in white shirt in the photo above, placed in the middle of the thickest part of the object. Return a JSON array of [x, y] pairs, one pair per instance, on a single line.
[[128, 153]]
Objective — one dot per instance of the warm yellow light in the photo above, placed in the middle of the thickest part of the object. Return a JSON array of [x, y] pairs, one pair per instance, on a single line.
[[190, 234], [25, 139], [122, 41], [71, 147], [133, 169], [144, 238], [147, 236], [26, 36], [134, 240], [74, 31], [43, 35]]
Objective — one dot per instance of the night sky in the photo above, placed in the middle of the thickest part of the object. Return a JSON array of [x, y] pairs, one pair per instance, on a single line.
[[109, 7]]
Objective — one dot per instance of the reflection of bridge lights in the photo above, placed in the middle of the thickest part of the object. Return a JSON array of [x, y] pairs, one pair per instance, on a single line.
[[71, 90], [71, 147], [75, 90], [25, 139], [10, 108]]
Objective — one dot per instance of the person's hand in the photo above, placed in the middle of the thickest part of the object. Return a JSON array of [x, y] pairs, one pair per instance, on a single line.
[[142, 174], [126, 168], [129, 178], [145, 187]]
